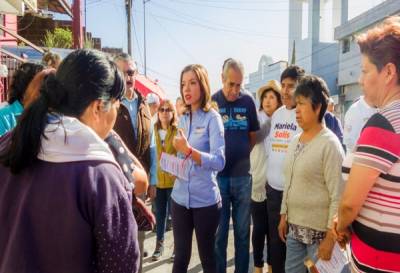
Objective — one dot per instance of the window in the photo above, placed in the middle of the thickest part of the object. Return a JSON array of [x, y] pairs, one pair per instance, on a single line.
[[346, 45]]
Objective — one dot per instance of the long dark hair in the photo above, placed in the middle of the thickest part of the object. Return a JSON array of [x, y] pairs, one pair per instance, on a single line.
[[83, 77], [21, 79]]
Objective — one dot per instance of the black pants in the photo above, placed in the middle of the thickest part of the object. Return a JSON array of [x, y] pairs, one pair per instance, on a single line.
[[277, 247], [204, 221], [260, 232]]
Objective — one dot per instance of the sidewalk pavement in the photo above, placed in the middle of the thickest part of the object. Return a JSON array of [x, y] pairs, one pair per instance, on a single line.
[[164, 265]]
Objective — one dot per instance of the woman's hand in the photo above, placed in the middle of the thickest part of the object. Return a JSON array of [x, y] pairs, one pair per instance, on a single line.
[[326, 246], [152, 192], [282, 228], [180, 143], [341, 237]]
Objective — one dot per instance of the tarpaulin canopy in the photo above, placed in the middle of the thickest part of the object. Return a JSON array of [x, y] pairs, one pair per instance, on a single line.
[[145, 86], [17, 7], [59, 6]]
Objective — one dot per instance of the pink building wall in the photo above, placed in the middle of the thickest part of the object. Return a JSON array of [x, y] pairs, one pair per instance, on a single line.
[[10, 22]]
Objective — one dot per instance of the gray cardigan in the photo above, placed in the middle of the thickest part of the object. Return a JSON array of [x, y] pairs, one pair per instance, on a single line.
[[313, 181]]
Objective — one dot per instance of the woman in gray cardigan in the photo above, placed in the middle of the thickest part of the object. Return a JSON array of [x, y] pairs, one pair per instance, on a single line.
[[313, 180]]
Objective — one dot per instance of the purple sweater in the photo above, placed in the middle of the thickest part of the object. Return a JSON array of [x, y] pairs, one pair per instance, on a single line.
[[67, 217]]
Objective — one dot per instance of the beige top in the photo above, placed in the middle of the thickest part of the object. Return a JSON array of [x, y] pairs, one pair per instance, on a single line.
[[313, 181]]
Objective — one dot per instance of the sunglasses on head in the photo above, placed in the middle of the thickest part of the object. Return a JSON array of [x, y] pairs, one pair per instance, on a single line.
[[162, 110], [131, 72]]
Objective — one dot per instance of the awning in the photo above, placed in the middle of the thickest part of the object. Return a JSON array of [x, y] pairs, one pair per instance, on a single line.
[[59, 6], [145, 86], [17, 7]]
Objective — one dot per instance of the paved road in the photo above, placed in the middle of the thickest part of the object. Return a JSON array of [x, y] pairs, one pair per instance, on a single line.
[[164, 265]]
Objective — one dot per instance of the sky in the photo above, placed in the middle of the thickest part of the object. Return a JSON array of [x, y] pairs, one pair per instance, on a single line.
[[182, 32]]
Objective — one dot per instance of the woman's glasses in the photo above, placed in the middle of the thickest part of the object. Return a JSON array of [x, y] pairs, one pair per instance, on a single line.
[[164, 110]]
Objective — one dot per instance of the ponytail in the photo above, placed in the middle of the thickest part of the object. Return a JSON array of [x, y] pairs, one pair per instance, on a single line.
[[83, 77], [26, 137]]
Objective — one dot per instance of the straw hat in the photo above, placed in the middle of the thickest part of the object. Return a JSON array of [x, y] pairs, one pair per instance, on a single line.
[[270, 85]]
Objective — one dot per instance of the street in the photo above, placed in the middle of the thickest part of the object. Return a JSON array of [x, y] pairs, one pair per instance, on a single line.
[[164, 265]]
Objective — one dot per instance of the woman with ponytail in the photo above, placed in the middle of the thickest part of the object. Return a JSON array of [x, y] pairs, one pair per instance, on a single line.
[[65, 205]]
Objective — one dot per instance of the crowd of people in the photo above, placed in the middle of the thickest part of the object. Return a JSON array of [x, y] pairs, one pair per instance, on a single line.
[[81, 149]]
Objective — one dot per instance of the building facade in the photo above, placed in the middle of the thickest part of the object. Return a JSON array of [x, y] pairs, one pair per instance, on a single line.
[[311, 25], [349, 53], [267, 70]]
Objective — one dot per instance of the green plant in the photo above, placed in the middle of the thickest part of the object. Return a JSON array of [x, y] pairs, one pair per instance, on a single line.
[[60, 38], [88, 43]]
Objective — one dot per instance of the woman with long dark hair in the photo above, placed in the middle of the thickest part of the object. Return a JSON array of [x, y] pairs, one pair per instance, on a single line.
[[64, 202]]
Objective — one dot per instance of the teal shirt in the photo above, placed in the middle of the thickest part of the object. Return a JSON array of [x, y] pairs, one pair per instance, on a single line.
[[9, 116]]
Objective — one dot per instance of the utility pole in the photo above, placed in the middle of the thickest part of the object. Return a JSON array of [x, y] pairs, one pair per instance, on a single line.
[[77, 30], [144, 35], [128, 6]]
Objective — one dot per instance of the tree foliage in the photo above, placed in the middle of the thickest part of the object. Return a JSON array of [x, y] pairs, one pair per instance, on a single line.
[[59, 38]]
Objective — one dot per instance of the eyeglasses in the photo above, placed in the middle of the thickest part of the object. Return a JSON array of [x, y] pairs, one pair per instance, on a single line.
[[131, 72], [166, 110]]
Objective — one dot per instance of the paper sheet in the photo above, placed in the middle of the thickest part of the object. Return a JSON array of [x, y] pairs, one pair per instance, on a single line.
[[175, 166], [335, 264]]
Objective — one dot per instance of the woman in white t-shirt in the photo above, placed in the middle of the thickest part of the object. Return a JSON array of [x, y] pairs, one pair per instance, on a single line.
[[270, 100], [165, 130]]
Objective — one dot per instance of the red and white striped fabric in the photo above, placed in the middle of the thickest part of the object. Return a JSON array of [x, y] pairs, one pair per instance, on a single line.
[[375, 243]]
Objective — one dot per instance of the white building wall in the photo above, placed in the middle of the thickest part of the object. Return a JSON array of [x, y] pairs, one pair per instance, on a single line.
[[350, 61]]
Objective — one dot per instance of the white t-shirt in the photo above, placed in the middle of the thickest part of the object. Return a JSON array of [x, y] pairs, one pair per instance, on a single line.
[[354, 120], [283, 128], [163, 134]]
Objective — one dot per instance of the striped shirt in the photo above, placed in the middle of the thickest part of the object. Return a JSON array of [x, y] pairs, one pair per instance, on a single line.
[[375, 243]]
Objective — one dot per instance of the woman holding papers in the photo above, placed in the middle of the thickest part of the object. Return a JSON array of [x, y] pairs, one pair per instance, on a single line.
[[165, 130], [313, 180], [196, 201], [371, 199]]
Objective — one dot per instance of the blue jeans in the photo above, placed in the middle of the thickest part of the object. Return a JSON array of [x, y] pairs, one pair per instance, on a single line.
[[163, 205], [235, 191], [296, 253]]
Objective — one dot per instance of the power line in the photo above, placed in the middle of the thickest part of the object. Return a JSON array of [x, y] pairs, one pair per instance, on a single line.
[[137, 42], [247, 1], [211, 25], [241, 9], [174, 40], [214, 28]]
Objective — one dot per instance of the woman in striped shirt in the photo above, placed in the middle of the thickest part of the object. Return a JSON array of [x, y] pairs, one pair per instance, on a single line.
[[371, 200]]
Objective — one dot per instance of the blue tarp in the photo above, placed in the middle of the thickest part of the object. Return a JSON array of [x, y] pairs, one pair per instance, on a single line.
[[34, 55]]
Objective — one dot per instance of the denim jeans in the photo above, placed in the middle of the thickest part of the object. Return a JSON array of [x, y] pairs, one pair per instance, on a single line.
[[296, 253], [235, 191], [163, 205]]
